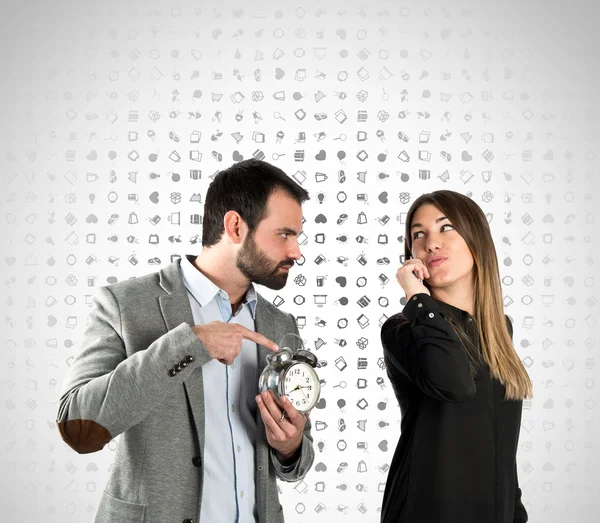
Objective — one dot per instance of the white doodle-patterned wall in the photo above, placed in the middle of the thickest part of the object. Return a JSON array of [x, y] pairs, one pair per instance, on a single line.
[[116, 117]]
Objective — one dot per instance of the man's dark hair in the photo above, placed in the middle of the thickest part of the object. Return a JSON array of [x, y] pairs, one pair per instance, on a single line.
[[245, 188]]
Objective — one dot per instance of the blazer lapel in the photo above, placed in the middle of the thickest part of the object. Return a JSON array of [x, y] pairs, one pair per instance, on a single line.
[[175, 305], [176, 309], [265, 325]]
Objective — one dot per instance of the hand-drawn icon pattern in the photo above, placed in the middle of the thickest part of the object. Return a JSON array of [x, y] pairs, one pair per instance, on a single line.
[[120, 117]]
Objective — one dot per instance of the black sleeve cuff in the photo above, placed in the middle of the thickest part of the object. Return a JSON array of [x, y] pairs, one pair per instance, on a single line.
[[420, 305]]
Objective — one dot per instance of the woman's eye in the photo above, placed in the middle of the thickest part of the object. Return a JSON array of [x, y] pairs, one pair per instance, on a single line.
[[415, 235]]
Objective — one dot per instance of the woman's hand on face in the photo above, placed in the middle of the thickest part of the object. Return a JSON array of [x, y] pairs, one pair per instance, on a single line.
[[410, 276]]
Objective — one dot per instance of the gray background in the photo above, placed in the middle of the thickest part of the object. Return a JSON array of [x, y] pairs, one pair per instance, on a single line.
[[507, 93]]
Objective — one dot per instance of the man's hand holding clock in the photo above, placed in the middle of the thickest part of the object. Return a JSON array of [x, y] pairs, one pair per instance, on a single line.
[[284, 428], [289, 388]]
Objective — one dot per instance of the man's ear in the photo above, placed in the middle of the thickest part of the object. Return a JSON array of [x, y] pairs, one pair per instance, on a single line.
[[235, 227]]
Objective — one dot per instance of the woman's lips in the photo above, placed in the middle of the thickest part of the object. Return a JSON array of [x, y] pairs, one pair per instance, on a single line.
[[437, 263]]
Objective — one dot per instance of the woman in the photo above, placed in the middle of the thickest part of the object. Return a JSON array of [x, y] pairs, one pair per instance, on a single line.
[[456, 375]]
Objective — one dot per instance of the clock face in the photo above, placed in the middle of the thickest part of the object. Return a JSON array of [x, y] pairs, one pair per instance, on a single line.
[[301, 385]]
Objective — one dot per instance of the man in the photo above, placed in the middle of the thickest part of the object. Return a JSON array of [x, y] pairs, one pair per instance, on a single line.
[[171, 362]]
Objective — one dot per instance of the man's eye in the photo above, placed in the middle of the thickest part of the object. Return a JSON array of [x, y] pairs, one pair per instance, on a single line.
[[284, 235]]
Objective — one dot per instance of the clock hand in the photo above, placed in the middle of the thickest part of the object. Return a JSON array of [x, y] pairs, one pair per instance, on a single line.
[[295, 389]]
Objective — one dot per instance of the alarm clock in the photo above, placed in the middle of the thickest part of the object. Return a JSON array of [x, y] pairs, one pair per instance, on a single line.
[[291, 372]]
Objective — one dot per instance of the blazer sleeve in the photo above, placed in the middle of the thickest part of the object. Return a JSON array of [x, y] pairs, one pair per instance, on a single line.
[[297, 470], [420, 345], [105, 392]]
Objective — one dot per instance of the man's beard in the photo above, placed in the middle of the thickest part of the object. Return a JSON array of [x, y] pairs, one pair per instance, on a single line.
[[259, 268]]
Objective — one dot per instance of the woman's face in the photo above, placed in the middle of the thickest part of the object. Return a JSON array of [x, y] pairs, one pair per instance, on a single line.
[[441, 248]]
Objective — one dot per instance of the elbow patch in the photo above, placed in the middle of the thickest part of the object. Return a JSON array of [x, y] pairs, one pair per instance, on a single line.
[[83, 435]]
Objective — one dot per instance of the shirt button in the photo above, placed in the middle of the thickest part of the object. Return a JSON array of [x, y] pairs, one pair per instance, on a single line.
[[420, 305], [239, 449], [414, 297], [232, 407], [431, 314], [242, 494]]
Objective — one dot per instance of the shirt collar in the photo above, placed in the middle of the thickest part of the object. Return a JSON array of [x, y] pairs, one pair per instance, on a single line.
[[204, 290], [454, 311]]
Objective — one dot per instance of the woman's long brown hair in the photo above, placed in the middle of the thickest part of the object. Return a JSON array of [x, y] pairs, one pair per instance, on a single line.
[[495, 340]]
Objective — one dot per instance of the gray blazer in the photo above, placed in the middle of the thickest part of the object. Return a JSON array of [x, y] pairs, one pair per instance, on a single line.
[[122, 382]]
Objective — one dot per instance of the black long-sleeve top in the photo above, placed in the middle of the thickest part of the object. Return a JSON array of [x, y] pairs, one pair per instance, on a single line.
[[455, 461]]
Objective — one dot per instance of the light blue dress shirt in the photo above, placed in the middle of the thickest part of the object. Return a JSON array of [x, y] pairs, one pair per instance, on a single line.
[[228, 493]]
